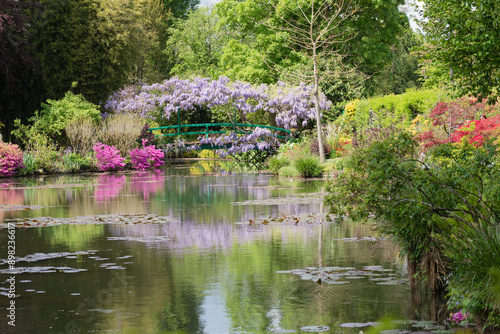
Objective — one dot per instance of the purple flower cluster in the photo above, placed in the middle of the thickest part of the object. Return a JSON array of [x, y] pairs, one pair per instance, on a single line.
[[180, 144], [260, 139], [11, 159], [292, 106], [146, 157], [108, 157]]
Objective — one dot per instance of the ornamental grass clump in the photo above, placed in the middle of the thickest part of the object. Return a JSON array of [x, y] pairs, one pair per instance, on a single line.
[[107, 157], [146, 157], [308, 167], [11, 159]]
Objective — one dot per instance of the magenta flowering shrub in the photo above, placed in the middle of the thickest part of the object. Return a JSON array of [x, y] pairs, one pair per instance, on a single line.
[[11, 159], [108, 157], [459, 317], [146, 157]]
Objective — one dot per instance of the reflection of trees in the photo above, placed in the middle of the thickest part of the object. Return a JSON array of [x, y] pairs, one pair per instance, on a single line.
[[181, 312], [74, 237]]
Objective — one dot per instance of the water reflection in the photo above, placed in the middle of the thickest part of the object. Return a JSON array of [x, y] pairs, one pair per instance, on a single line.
[[147, 183], [210, 272], [109, 187], [9, 198]]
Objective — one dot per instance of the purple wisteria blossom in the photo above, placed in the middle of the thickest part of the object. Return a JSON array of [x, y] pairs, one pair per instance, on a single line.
[[292, 107]]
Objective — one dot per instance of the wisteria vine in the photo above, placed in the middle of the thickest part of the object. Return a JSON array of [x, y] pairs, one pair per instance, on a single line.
[[291, 106]]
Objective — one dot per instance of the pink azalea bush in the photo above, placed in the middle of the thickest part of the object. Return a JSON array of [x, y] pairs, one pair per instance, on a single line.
[[459, 317], [108, 157], [11, 159], [146, 157]]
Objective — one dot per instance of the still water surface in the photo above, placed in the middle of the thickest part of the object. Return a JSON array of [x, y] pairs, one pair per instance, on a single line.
[[203, 269]]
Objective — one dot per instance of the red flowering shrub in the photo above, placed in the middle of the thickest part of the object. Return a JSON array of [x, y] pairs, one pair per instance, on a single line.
[[464, 117], [476, 132], [11, 159]]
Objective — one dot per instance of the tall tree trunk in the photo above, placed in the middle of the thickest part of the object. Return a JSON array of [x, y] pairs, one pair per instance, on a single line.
[[316, 106]]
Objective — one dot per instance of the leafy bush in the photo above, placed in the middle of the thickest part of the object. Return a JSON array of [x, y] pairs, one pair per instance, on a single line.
[[208, 154], [29, 164], [107, 157], [146, 157], [308, 167], [276, 162], [11, 159], [288, 171], [397, 110], [73, 162], [471, 283], [442, 208], [55, 116]]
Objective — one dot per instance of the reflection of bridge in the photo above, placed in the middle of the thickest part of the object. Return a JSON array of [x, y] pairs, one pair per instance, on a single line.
[[221, 128]]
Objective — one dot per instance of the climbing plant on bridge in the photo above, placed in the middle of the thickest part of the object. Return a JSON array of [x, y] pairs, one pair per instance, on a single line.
[[203, 100]]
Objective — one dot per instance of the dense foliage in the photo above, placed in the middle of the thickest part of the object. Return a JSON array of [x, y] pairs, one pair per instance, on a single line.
[[439, 203], [465, 40]]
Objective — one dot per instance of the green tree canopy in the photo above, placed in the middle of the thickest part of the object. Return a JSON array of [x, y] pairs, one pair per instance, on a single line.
[[89, 41], [465, 38], [376, 26], [197, 42]]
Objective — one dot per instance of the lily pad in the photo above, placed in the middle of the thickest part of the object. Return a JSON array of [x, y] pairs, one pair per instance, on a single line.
[[332, 275], [135, 219], [310, 199], [101, 310], [116, 267], [158, 238], [315, 328], [38, 270], [335, 282], [10, 207], [423, 324], [357, 324], [46, 256]]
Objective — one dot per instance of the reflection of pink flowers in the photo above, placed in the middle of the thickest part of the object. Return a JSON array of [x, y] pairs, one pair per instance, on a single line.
[[109, 187], [147, 183], [10, 197]]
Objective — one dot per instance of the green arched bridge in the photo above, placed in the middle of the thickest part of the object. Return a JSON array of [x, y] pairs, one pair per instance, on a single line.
[[207, 129]]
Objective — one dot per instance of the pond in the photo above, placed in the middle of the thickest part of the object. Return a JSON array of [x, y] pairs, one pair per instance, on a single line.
[[180, 251]]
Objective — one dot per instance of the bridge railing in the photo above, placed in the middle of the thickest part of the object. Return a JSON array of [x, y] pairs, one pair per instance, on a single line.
[[237, 127]]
